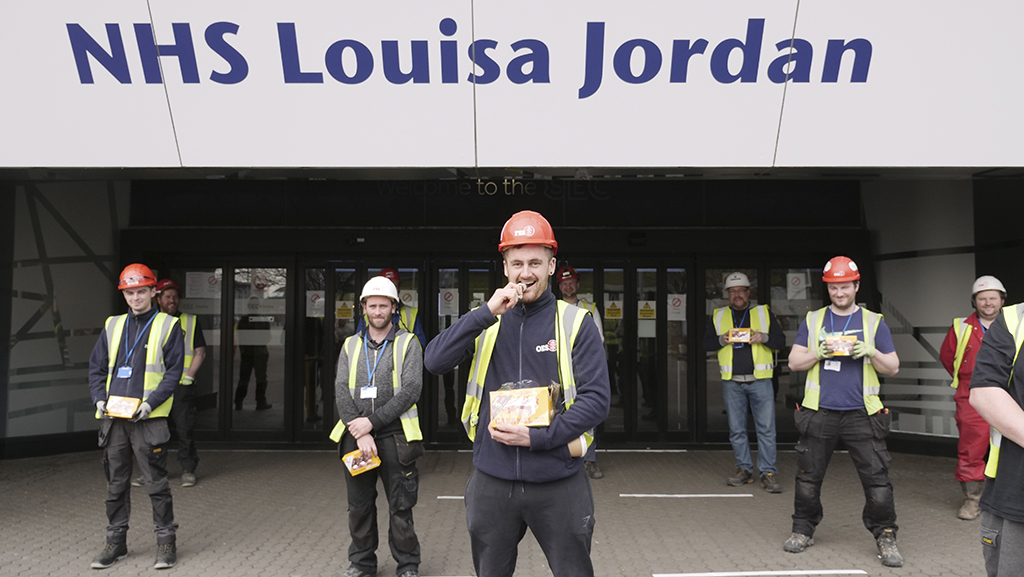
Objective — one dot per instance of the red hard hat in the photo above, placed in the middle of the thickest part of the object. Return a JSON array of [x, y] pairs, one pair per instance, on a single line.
[[527, 227], [165, 284], [136, 275], [840, 269], [566, 272], [392, 275]]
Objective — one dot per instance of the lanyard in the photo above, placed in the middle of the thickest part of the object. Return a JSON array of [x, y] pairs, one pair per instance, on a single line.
[[366, 356], [832, 321], [128, 358], [742, 320]]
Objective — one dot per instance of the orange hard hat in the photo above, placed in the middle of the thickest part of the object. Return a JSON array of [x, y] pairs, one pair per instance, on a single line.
[[136, 275], [527, 227], [840, 269], [165, 284], [566, 272]]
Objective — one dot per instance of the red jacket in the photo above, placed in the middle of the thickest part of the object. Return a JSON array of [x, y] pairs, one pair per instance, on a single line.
[[947, 353]]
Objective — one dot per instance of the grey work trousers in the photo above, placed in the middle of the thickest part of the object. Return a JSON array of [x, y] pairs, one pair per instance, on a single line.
[[559, 513], [1002, 544], [144, 441]]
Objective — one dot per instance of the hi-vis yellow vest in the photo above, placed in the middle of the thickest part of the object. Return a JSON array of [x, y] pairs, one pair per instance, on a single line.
[[188, 324], [963, 331], [812, 386], [411, 418], [159, 332], [568, 320], [1012, 315], [764, 358]]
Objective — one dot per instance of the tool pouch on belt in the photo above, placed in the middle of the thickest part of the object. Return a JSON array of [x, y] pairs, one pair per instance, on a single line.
[[408, 452]]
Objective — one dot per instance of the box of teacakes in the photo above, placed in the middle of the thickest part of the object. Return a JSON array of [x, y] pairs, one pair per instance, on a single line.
[[122, 407], [524, 403], [738, 336], [357, 464], [841, 345]]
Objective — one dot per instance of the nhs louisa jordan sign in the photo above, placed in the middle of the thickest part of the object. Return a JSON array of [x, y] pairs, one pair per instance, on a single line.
[[670, 83]]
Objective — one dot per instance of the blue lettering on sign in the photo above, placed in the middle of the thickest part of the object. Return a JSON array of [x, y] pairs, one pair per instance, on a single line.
[[353, 61]]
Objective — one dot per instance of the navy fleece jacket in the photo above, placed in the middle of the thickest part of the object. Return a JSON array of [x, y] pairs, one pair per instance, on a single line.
[[521, 352]]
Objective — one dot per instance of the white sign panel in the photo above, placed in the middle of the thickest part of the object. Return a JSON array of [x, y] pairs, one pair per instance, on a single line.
[[315, 303], [661, 83], [202, 285], [448, 302], [256, 306], [677, 307], [409, 297], [796, 285]]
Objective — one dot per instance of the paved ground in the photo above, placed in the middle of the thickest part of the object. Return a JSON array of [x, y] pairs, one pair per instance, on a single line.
[[283, 514]]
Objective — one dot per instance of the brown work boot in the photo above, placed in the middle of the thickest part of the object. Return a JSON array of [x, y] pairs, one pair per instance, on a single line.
[[741, 477], [970, 510]]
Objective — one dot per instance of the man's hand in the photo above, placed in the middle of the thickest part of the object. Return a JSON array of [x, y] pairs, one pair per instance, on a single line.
[[360, 427], [367, 445], [187, 380], [757, 337], [101, 406], [862, 349], [142, 412], [822, 352], [511, 435], [504, 298]]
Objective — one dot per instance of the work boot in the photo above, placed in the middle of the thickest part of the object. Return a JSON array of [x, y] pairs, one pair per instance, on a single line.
[[188, 479], [797, 542], [263, 406], [970, 510], [138, 481], [110, 554], [356, 572], [166, 556], [887, 550], [769, 483], [741, 477], [592, 469], [410, 573]]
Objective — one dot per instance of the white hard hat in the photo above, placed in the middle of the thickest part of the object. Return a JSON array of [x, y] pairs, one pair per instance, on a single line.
[[987, 283], [379, 286], [736, 279]]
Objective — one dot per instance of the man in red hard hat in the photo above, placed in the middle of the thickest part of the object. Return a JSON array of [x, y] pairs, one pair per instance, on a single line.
[[528, 477], [958, 353], [843, 347], [132, 385]]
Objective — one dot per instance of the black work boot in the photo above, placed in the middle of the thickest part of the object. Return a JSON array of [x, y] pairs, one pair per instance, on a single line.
[[110, 554], [887, 550], [741, 477], [166, 555]]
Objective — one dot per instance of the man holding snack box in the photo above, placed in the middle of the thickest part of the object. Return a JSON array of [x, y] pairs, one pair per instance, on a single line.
[[843, 347], [133, 371], [379, 379], [747, 339], [528, 476]]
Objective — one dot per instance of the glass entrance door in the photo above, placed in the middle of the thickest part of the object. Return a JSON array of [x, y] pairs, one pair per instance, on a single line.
[[259, 345]]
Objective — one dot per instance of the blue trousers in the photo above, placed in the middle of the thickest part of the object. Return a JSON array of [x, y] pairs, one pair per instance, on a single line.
[[759, 398]]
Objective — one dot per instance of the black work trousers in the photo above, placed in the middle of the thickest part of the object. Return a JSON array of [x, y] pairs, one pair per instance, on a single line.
[[401, 486], [144, 441], [252, 357], [559, 513], [183, 413], [864, 437]]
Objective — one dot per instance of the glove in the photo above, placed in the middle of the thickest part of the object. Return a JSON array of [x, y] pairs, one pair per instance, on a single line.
[[101, 407], [142, 412], [187, 380], [862, 349], [821, 353]]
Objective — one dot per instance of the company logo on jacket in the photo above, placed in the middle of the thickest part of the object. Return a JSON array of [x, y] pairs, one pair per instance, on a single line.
[[551, 346]]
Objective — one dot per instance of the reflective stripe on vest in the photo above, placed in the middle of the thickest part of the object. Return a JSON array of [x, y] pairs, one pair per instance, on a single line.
[[764, 358], [1012, 315], [963, 330], [188, 324], [159, 332], [812, 386], [411, 418], [568, 320]]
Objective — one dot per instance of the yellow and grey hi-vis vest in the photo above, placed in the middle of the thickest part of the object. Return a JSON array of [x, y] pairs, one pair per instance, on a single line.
[[1012, 316], [812, 386], [159, 332], [188, 324], [963, 330], [764, 358], [411, 418], [568, 320]]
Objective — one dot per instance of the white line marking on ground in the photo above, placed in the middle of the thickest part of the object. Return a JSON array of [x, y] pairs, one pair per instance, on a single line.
[[678, 496], [458, 497], [757, 573], [638, 451]]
